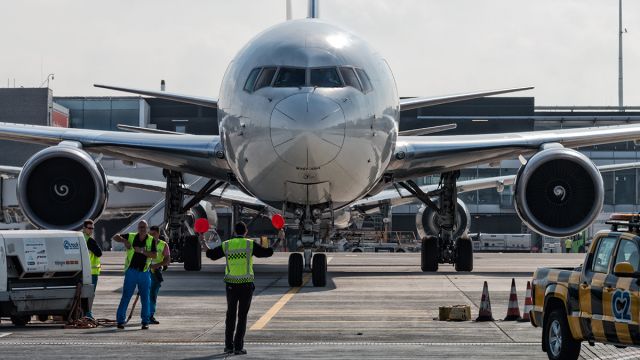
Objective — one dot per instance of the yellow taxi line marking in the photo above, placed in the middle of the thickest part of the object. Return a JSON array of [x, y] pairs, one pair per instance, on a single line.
[[264, 320]]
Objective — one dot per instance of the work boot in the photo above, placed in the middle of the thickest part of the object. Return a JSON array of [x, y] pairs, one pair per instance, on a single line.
[[228, 350], [153, 320], [240, 352], [120, 326], [145, 326]]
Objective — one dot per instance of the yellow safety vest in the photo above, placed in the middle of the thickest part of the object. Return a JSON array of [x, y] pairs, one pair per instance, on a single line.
[[160, 249], [238, 253], [93, 260], [131, 251], [568, 243]]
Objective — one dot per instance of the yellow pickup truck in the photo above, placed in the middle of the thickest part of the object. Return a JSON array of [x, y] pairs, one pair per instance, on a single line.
[[596, 302]]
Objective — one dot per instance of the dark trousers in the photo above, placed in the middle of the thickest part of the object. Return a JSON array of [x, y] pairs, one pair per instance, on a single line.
[[238, 301]]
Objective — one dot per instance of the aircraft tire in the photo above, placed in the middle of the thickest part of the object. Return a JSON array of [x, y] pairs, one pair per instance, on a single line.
[[464, 259], [296, 264], [192, 253], [429, 254], [319, 270]]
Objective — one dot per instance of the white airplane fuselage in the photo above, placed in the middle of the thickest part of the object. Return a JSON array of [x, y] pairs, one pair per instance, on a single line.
[[306, 144]]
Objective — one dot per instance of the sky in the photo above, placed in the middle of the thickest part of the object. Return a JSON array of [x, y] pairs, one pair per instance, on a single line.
[[567, 49]]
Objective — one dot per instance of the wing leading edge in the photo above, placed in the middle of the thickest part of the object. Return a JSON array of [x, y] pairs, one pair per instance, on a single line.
[[417, 156], [196, 154]]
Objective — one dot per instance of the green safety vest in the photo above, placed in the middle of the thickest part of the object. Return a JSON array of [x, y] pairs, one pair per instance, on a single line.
[[238, 253], [131, 251], [160, 249], [93, 260]]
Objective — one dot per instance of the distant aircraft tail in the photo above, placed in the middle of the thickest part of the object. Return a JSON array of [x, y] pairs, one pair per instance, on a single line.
[[313, 10]]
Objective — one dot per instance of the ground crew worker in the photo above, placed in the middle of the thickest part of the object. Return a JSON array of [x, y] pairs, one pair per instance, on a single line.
[[95, 252], [567, 244], [238, 276], [141, 248], [157, 266]]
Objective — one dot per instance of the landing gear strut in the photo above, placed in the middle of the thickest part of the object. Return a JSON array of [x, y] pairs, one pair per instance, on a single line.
[[185, 246], [316, 264], [443, 248]]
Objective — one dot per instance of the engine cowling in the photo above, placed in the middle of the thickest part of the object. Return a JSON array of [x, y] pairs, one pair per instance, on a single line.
[[60, 187], [427, 221], [558, 192]]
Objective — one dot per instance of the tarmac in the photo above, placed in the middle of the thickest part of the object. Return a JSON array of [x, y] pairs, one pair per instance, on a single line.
[[375, 306]]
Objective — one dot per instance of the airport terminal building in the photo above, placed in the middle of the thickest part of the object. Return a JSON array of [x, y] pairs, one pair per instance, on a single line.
[[491, 211]]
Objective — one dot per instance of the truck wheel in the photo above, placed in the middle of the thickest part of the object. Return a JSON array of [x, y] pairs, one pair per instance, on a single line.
[[464, 259], [20, 321], [560, 344], [429, 254]]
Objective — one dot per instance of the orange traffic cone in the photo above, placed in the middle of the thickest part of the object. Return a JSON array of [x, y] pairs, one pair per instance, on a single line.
[[528, 304], [485, 305], [513, 312]]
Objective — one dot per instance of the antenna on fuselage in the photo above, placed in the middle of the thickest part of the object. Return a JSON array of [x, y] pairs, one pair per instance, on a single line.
[[313, 10], [289, 10]]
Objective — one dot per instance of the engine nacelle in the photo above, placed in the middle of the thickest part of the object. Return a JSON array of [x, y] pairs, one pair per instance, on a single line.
[[427, 220], [558, 192], [60, 187], [204, 209]]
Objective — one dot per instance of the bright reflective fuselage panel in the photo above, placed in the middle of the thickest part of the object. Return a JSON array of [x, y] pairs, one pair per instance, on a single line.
[[308, 114]]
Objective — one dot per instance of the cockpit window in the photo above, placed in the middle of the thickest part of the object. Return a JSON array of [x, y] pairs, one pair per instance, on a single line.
[[290, 77], [364, 79], [325, 77], [251, 80], [265, 77], [350, 78]]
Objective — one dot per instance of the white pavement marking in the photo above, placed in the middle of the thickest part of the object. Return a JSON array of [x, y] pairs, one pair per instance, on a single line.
[[318, 343], [4, 334]]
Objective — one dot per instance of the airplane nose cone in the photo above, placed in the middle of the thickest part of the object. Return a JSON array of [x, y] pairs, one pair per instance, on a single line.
[[307, 130]]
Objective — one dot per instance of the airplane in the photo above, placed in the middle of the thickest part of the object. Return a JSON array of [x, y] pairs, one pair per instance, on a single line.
[[309, 117]]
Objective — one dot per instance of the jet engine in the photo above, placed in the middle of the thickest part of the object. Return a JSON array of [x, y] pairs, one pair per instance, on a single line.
[[204, 209], [428, 221], [558, 192], [60, 187]]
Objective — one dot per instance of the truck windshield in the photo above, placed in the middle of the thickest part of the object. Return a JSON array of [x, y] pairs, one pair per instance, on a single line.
[[602, 257]]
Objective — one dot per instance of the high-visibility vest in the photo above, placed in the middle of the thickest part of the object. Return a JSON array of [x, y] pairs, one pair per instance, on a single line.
[[93, 260], [238, 253], [568, 243], [131, 251], [160, 249]]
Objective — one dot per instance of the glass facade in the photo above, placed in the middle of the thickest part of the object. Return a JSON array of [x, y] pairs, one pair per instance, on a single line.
[[103, 113]]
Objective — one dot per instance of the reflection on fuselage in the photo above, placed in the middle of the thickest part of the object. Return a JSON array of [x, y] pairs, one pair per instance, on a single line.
[[308, 115]]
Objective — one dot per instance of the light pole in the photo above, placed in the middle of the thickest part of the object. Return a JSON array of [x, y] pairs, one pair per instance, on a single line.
[[49, 77], [620, 75]]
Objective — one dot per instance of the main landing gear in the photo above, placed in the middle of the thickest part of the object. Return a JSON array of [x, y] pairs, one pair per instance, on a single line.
[[447, 247], [185, 246]]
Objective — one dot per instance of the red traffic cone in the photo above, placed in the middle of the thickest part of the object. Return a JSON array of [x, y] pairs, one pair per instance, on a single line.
[[528, 304], [513, 312], [484, 313]]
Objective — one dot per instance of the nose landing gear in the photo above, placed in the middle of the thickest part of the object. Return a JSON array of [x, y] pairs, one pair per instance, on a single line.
[[307, 262]]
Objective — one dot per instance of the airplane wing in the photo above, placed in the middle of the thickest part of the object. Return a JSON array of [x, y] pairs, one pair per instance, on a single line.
[[419, 102], [189, 99], [399, 196], [221, 196], [417, 156], [196, 154]]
